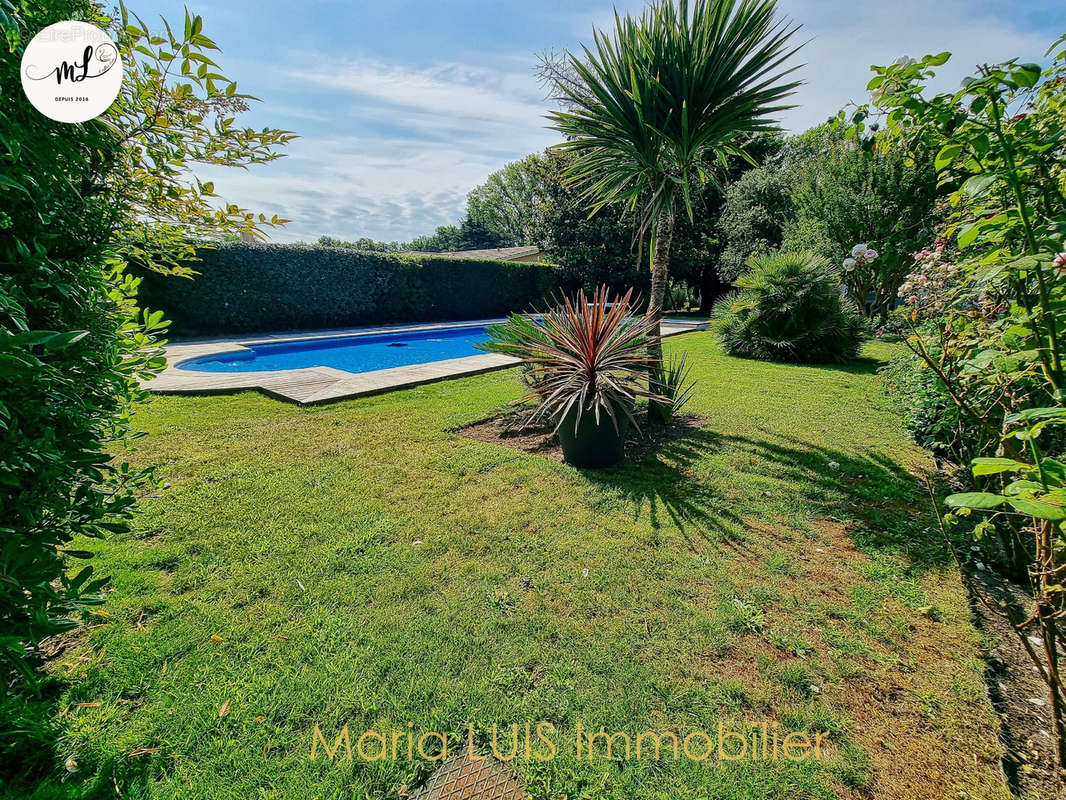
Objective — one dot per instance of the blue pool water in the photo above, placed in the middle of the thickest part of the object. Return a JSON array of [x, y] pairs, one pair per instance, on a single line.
[[349, 353]]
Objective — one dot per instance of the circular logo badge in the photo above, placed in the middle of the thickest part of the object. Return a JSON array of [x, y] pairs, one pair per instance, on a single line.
[[71, 71]]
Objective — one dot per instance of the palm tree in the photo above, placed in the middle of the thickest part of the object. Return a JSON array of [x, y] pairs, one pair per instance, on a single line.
[[651, 108]]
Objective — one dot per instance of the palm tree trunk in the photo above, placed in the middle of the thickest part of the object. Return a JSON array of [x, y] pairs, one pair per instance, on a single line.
[[660, 270]]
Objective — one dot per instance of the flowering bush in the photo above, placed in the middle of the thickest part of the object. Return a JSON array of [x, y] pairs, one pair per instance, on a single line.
[[936, 289], [869, 192], [967, 331], [988, 321], [931, 414], [861, 255], [936, 284], [858, 275]]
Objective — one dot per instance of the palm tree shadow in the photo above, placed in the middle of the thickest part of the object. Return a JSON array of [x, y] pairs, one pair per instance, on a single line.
[[887, 504], [662, 487], [884, 506], [863, 365]]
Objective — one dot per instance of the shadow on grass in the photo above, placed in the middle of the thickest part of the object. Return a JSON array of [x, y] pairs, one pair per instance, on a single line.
[[887, 502], [30, 754], [884, 504], [864, 365], [662, 485], [31, 761]]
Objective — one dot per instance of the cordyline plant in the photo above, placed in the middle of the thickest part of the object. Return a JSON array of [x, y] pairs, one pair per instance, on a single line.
[[1001, 143], [655, 102], [583, 357]]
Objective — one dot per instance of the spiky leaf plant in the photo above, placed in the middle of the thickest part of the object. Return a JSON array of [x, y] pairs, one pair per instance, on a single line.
[[789, 308], [673, 381], [583, 356]]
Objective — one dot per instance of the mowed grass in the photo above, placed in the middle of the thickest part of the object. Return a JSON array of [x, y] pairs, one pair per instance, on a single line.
[[362, 564]]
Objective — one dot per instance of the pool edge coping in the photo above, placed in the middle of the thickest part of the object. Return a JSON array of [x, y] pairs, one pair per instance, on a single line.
[[320, 385]]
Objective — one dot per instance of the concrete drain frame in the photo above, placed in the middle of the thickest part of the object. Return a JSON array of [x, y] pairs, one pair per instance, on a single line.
[[463, 777]]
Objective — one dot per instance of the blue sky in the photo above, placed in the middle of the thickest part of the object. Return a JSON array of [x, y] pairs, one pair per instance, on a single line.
[[403, 106]]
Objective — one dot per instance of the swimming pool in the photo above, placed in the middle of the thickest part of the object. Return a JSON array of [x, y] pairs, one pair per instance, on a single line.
[[360, 353], [326, 366]]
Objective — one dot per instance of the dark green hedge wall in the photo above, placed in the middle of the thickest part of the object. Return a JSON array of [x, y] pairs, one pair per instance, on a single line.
[[254, 288]]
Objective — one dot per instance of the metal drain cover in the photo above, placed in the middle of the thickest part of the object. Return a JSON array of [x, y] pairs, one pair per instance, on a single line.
[[463, 778]]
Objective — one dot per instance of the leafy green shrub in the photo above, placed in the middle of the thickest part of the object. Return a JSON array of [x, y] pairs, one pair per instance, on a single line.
[[788, 308], [994, 310], [931, 414], [869, 191], [79, 200], [249, 288], [70, 354]]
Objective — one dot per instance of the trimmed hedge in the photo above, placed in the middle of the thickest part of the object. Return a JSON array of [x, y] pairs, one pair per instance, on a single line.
[[255, 288]]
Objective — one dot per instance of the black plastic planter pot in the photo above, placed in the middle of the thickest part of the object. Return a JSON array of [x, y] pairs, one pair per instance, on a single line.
[[593, 445]]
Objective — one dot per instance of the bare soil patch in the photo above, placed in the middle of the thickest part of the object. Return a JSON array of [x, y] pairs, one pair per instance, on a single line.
[[920, 740], [1020, 698]]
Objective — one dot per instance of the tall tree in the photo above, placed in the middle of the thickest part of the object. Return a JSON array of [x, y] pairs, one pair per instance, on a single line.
[[590, 250], [444, 238], [504, 203], [467, 235], [699, 246], [754, 215], [872, 192], [660, 98]]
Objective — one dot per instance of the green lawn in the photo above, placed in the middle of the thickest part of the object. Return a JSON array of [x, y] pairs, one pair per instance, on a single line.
[[360, 564]]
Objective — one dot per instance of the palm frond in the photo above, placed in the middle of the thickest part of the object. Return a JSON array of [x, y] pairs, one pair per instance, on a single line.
[[655, 98]]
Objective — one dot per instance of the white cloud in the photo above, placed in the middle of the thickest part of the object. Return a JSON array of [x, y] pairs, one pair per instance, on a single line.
[[844, 45], [391, 150], [449, 90], [355, 187], [447, 127]]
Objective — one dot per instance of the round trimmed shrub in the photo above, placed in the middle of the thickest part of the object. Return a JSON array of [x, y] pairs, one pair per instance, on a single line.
[[789, 308]]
